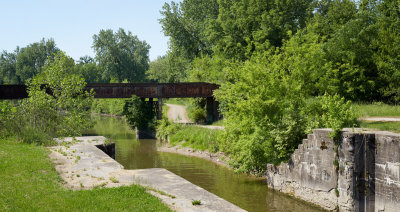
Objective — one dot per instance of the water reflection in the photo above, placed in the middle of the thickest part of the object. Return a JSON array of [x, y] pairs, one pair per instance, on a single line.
[[248, 193]]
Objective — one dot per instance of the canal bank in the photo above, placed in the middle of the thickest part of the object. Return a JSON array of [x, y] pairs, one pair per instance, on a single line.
[[247, 192], [218, 157], [83, 165]]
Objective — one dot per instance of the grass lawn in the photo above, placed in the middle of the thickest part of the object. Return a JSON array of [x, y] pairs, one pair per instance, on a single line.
[[197, 137], [218, 123], [29, 182], [376, 109], [386, 126]]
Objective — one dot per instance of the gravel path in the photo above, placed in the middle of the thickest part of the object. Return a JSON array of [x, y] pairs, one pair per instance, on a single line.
[[382, 119], [177, 113]]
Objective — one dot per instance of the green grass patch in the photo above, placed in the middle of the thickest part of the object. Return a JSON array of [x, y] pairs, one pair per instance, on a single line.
[[29, 182], [178, 101], [386, 126], [376, 109], [196, 202], [218, 123], [197, 138]]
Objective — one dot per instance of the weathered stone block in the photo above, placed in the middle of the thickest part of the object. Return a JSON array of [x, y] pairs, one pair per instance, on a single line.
[[364, 169]]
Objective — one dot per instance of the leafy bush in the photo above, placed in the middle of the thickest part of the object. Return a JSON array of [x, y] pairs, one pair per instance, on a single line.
[[108, 106], [139, 113], [267, 115], [7, 110], [332, 112], [64, 112], [194, 136], [198, 115], [166, 128], [196, 110]]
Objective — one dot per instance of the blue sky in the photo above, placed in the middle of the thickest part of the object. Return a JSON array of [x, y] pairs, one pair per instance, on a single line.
[[72, 23]]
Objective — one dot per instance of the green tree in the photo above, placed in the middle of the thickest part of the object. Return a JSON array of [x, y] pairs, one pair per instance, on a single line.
[[210, 69], [8, 66], [186, 23], [169, 68], [263, 118], [351, 50], [89, 69], [32, 58], [387, 57], [65, 112], [267, 114], [138, 113], [331, 15], [245, 26], [121, 56]]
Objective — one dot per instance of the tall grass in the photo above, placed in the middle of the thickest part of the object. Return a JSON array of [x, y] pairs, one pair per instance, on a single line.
[[192, 136], [376, 109], [198, 138], [386, 126]]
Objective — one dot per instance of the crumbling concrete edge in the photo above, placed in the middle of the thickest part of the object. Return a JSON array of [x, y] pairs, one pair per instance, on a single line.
[[84, 166]]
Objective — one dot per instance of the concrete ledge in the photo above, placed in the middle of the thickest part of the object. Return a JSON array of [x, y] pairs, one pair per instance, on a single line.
[[83, 166]]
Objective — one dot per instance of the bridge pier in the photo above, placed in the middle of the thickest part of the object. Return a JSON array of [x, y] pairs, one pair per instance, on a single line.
[[159, 111], [156, 106], [212, 110]]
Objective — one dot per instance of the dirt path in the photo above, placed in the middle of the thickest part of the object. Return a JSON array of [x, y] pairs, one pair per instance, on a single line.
[[177, 113]]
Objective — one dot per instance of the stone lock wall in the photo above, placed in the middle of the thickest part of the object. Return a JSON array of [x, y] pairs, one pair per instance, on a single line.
[[360, 173]]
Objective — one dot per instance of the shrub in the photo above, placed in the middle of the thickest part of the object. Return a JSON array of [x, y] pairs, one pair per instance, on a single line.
[[331, 112], [7, 111], [64, 112], [166, 128], [199, 115], [139, 113], [108, 106], [267, 115]]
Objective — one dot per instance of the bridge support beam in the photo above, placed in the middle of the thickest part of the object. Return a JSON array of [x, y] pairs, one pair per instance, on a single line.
[[212, 110], [156, 107], [159, 112]]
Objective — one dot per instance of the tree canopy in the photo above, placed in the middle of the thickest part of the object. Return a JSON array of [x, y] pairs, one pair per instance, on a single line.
[[25, 63], [121, 56]]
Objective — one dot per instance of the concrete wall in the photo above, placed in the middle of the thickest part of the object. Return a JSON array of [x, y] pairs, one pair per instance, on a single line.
[[361, 174]]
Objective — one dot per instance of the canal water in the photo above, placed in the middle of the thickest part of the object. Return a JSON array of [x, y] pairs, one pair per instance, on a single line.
[[247, 192]]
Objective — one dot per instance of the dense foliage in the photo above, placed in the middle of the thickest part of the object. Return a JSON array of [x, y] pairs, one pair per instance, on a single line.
[[167, 69], [351, 47], [108, 106], [139, 113], [268, 115], [43, 116], [24, 63], [121, 56], [285, 67]]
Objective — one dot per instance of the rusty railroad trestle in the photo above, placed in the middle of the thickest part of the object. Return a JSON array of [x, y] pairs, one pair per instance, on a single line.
[[143, 90]]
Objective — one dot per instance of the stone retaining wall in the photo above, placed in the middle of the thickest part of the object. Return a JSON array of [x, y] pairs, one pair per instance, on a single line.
[[360, 173]]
